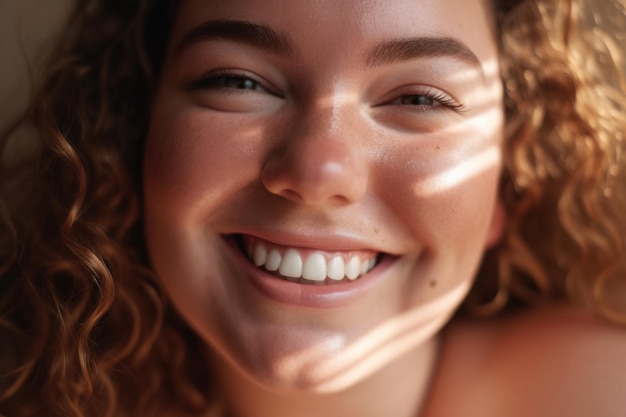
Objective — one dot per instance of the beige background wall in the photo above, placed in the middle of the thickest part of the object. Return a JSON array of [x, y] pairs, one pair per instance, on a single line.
[[25, 27]]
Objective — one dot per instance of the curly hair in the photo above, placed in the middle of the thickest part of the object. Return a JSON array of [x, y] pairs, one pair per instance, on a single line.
[[85, 328], [563, 181]]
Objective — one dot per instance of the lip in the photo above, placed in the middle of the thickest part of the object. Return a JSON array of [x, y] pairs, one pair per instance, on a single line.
[[327, 296], [331, 241]]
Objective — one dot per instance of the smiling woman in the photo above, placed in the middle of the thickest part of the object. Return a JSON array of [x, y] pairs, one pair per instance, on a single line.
[[264, 208], [320, 142]]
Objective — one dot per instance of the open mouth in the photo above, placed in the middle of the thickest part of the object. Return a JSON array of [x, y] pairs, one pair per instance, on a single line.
[[307, 266]]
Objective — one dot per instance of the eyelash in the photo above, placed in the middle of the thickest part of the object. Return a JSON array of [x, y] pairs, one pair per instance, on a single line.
[[437, 97], [210, 81]]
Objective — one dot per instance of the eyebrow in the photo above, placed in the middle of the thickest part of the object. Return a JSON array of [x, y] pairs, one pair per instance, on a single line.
[[398, 50], [253, 34], [279, 43]]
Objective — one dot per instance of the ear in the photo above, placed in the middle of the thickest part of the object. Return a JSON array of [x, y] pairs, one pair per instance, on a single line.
[[496, 227]]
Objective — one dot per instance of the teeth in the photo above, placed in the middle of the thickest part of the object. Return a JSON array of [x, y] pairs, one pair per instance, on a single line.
[[353, 269], [316, 267], [336, 268], [260, 255], [365, 266], [273, 261], [291, 266]]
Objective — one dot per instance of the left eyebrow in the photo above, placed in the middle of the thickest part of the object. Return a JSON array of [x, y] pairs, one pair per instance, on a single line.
[[398, 50]]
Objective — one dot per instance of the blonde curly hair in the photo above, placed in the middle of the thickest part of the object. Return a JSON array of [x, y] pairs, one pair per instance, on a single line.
[[563, 181], [85, 328]]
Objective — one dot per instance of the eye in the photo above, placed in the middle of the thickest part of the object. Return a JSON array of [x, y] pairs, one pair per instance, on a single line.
[[234, 90], [428, 99], [237, 83], [229, 81], [417, 100]]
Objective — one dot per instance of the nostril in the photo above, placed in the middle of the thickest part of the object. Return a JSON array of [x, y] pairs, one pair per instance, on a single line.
[[340, 199], [291, 195]]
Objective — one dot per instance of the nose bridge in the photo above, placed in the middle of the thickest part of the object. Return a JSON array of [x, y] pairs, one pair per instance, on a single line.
[[324, 121], [320, 160]]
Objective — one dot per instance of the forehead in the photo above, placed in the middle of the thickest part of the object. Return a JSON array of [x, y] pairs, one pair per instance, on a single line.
[[343, 24]]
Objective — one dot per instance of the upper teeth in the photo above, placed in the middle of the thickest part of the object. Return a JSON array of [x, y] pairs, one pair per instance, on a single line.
[[317, 266]]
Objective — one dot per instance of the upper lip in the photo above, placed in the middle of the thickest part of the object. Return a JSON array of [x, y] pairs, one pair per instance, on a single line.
[[334, 241]]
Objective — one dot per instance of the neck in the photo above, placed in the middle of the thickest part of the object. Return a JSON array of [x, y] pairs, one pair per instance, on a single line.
[[398, 389]]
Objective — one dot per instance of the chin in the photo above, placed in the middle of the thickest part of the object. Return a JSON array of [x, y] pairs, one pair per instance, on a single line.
[[309, 360]]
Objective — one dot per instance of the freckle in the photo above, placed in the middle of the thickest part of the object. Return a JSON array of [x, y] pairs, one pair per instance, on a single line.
[[438, 147], [433, 283]]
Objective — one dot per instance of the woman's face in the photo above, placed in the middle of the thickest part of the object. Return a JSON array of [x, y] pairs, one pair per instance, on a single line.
[[320, 178]]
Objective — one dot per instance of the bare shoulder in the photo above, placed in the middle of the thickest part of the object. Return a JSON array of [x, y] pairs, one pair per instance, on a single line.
[[550, 361]]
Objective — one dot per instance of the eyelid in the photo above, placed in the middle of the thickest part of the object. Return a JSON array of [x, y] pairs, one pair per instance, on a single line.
[[441, 98], [197, 84], [444, 100]]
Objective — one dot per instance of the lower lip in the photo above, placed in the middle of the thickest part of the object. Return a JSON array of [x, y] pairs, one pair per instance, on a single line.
[[326, 296]]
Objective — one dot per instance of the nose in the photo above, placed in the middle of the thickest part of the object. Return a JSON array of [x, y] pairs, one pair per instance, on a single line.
[[320, 163]]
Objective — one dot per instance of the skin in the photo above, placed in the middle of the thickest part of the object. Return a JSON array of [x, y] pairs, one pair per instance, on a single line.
[[325, 152], [554, 360]]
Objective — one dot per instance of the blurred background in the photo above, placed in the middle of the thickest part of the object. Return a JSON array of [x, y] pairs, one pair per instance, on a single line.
[[28, 26]]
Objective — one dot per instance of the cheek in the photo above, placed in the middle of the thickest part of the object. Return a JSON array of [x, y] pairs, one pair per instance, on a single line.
[[445, 191], [450, 228], [187, 165], [191, 174]]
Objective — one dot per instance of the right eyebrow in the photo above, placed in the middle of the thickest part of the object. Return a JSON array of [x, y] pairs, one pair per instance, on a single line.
[[397, 50], [253, 34]]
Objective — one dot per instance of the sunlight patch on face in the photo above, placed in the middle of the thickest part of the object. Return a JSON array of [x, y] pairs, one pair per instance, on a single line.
[[473, 167]]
